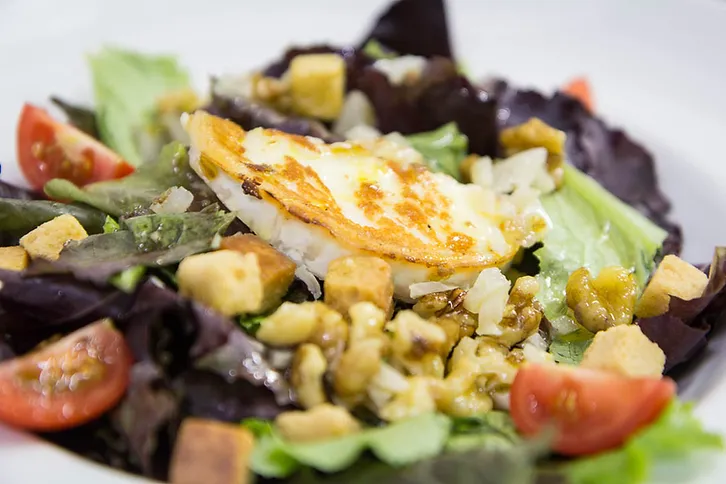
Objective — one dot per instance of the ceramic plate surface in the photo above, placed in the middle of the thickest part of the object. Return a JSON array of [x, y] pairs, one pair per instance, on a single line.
[[657, 68]]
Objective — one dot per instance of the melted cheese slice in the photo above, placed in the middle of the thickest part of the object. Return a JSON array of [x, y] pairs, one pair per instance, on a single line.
[[316, 201]]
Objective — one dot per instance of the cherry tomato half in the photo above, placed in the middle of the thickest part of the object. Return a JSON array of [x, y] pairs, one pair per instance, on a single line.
[[68, 382], [50, 149], [591, 410]]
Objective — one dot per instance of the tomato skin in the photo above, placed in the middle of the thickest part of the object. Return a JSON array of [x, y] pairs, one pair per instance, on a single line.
[[580, 89], [591, 410], [50, 149], [67, 383]]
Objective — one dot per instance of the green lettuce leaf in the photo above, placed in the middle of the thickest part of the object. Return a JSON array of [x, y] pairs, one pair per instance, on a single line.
[[493, 430], [251, 323], [569, 348], [18, 217], [110, 225], [164, 231], [127, 86], [376, 50], [397, 444], [590, 228], [676, 435], [134, 193], [443, 149], [80, 117], [144, 241], [128, 279], [485, 464]]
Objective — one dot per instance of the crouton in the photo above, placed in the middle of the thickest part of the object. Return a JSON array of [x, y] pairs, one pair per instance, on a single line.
[[626, 350], [355, 279], [674, 277], [211, 452], [225, 280], [48, 239], [13, 258], [317, 85], [277, 271]]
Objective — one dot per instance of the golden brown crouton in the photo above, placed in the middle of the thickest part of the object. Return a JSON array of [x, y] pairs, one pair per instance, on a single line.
[[225, 280], [277, 271], [211, 452], [13, 258], [674, 277], [356, 279], [318, 85], [626, 350], [48, 239]]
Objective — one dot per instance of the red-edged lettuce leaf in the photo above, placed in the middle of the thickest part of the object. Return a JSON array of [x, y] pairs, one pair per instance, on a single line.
[[685, 329], [413, 27], [618, 163]]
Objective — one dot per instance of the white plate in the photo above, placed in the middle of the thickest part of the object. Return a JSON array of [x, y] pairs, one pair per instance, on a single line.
[[657, 67]]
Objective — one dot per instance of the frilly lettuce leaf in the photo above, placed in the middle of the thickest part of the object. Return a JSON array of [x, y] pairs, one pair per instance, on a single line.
[[675, 435], [590, 228], [127, 86], [397, 444]]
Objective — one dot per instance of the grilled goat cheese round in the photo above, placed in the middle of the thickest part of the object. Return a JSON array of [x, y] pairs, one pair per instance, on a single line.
[[316, 202]]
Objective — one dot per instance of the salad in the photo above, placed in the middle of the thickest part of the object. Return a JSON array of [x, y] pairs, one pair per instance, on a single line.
[[353, 264]]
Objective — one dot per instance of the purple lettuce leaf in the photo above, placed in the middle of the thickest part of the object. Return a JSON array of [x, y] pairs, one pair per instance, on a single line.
[[440, 96], [684, 331], [16, 193], [33, 309], [250, 115], [413, 27]]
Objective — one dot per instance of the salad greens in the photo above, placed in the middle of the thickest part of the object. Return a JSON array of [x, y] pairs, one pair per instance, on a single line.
[[18, 217], [136, 192], [570, 348], [676, 434], [590, 228], [443, 149], [82, 118], [127, 87], [192, 362], [489, 431], [147, 240], [398, 444], [683, 330], [374, 49]]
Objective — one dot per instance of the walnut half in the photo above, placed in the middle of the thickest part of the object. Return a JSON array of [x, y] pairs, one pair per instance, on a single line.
[[603, 302]]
